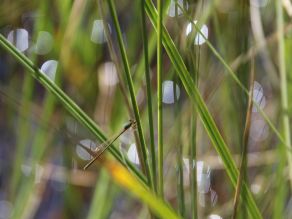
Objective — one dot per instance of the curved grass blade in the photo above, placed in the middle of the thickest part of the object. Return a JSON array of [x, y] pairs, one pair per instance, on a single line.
[[122, 176], [66, 101], [158, 206], [236, 79]]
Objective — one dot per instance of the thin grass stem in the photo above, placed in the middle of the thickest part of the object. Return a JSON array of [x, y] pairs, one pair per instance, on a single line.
[[149, 95], [144, 159], [283, 85], [66, 101], [243, 165], [159, 97]]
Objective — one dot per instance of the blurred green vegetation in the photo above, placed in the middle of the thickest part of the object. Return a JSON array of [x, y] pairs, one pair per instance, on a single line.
[[97, 78]]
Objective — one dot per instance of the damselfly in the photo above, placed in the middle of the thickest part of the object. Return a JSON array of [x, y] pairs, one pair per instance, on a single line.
[[102, 147], [95, 153]]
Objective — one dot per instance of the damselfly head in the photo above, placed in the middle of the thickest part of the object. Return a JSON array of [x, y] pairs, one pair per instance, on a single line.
[[131, 123]]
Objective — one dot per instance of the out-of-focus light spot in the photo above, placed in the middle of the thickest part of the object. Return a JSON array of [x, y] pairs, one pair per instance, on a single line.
[[168, 92], [255, 188], [199, 39], [50, 69], [259, 3], [5, 209], [202, 199], [258, 130], [172, 7], [287, 4], [133, 154], [107, 74], [214, 216], [213, 197], [39, 170], [26, 169], [98, 32], [126, 138], [71, 125], [81, 152], [44, 43], [258, 96], [204, 183], [140, 96], [203, 175], [19, 38]]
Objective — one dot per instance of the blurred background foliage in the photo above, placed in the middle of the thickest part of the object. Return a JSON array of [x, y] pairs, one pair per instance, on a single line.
[[75, 43]]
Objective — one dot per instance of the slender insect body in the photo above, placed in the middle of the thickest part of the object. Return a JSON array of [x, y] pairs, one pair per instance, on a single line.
[[102, 147]]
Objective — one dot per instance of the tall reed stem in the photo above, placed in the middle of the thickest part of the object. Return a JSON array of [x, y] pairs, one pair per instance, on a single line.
[[159, 98]]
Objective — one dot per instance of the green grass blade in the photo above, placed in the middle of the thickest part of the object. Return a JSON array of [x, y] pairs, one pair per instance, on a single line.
[[66, 101], [145, 158], [203, 112], [125, 179], [159, 98], [236, 79], [99, 209], [283, 86], [149, 95]]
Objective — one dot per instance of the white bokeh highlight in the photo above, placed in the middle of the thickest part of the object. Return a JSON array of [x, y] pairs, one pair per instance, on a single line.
[[203, 175], [26, 169], [98, 35], [49, 68], [172, 5], [81, 152], [168, 92], [214, 216], [259, 3], [133, 154], [199, 39], [39, 171], [44, 43], [5, 209], [107, 74], [19, 38], [255, 188]]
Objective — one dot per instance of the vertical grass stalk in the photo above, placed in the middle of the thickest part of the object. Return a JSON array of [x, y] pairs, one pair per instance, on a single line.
[[149, 95], [202, 110], [144, 159], [283, 85], [243, 165], [159, 97], [195, 66], [179, 155], [180, 173]]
